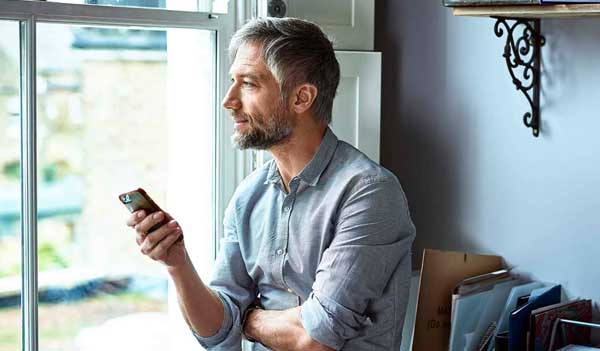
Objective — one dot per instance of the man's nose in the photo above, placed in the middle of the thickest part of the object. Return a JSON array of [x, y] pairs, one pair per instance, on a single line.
[[231, 101]]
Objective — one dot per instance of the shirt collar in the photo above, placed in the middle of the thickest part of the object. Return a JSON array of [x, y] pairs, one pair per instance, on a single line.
[[273, 176], [313, 170]]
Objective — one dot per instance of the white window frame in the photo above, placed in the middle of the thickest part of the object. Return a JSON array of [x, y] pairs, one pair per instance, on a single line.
[[229, 164]]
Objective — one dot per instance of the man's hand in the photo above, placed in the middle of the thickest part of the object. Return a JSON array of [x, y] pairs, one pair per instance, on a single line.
[[280, 330], [200, 306], [161, 244]]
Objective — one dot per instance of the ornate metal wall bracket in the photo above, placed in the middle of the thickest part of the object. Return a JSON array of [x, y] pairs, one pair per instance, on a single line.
[[522, 54]]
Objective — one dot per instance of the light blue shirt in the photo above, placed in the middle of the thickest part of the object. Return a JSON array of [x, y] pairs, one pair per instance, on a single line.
[[338, 244]]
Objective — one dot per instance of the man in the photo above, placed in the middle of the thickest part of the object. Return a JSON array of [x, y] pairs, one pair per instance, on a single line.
[[316, 254]]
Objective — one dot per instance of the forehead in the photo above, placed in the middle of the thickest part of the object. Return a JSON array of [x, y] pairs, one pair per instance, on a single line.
[[248, 61]]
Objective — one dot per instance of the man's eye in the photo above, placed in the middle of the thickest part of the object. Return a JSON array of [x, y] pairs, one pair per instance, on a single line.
[[250, 84]]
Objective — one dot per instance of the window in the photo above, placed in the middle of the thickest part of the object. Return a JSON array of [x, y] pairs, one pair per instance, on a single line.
[[123, 98], [214, 6], [10, 188]]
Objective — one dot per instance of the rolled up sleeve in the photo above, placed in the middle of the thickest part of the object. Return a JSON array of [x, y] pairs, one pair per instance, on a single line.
[[373, 235], [235, 288], [225, 329]]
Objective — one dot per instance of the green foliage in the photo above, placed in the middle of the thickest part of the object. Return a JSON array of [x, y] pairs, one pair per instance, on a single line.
[[50, 258], [12, 170], [55, 171], [11, 270], [49, 173]]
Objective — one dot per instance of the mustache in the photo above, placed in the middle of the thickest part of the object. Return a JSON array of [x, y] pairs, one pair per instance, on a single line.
[[238, 116]]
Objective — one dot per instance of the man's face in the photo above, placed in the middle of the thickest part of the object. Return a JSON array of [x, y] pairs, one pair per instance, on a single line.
[[261, 118]]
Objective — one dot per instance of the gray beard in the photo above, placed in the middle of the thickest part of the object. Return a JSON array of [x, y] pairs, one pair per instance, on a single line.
[[261, 138]]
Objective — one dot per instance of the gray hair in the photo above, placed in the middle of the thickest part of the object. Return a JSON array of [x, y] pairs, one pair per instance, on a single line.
[[296, 52]]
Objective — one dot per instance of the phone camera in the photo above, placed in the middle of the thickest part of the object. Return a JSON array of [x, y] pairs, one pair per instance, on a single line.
[[126, 199]]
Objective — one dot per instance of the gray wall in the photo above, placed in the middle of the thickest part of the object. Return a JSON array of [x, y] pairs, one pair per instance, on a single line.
[[475, 177]]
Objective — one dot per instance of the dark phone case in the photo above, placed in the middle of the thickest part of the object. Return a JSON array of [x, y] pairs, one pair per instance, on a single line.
[[139, 200]]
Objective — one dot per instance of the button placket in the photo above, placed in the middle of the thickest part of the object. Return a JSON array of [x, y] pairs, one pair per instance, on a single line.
[[288, 203], [279, 245]]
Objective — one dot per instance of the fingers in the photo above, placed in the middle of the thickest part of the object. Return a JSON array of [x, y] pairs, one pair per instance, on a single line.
[[153, 236], [161, 250], [139, 239], [144, 225], [149, 242], [135, 218]]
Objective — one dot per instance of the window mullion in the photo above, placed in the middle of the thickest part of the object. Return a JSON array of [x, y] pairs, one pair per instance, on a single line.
[[109, 15], [29, 291]]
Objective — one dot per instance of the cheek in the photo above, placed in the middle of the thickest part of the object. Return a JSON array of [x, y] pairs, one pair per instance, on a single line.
[[254, 110], [257, 106]]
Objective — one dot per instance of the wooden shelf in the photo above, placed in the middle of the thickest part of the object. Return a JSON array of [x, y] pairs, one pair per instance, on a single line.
[[529, 11], [522, 50]]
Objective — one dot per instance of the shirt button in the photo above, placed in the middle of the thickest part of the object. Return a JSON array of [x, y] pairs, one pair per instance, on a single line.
[[280, 252], [286, 208], [290, 290]]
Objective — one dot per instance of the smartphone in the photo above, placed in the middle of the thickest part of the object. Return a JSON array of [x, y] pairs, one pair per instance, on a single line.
[[139, 200]]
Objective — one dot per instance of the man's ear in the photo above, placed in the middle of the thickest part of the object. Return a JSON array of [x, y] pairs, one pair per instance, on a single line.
[[303, 98]]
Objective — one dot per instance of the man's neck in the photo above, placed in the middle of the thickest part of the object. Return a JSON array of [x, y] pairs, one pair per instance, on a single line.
[[297, 152]]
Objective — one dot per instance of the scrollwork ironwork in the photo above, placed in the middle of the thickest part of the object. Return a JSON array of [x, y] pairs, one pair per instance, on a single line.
[[522, 55]]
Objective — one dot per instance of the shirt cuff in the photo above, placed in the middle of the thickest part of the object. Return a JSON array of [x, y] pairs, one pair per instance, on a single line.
[[221, 335], [318, 323]]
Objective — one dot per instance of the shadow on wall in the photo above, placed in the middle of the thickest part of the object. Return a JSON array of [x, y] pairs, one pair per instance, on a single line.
[[423, 132], [560, 64]]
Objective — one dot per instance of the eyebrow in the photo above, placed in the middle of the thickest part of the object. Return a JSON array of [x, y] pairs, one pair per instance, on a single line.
[[250, 75]]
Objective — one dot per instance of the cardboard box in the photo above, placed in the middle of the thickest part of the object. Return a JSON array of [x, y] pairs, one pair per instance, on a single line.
[[441, 271]]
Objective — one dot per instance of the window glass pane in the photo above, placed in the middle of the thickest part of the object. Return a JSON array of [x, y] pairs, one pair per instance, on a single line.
[[214, 6], [120, 109], [10, 189]]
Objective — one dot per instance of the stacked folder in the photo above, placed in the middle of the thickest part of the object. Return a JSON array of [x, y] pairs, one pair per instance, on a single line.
[[498, 311], [468, 302], [476, 307]]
